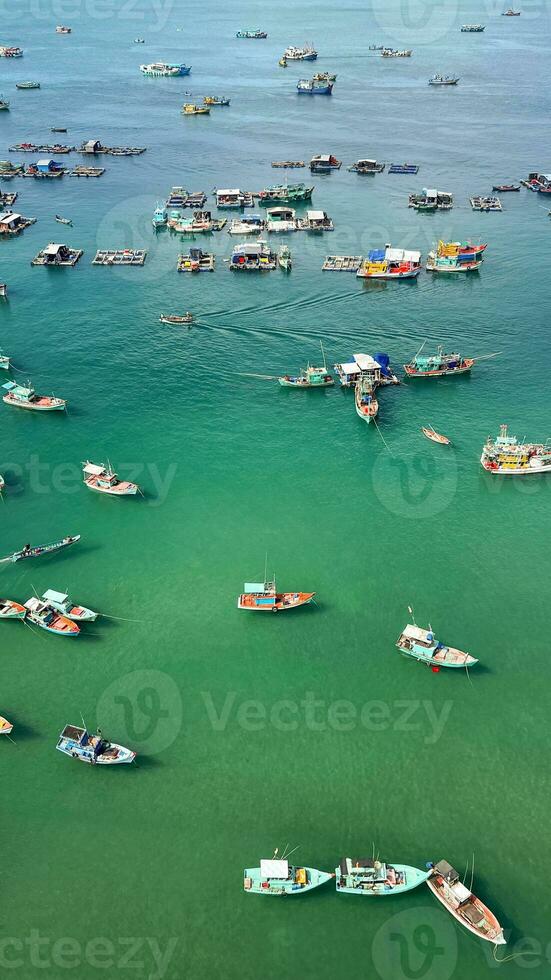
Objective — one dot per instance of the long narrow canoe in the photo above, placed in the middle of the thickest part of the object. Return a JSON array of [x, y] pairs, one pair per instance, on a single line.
[[42, 549]]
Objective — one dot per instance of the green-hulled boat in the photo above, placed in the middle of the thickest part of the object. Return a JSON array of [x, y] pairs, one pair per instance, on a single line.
[[309, 377], [275, 877], [366, 876], [27, 84], [285, 194], [422, 645]]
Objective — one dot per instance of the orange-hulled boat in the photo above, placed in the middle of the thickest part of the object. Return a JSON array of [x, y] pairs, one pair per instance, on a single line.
[[264, 597], [469, 910]]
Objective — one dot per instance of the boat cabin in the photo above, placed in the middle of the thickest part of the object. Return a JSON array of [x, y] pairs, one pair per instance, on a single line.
[[230, 198], [91, 146], [48, 166], [362, 873], [103, 476], [368, 167], [431, 199], [56, 254], [274, 869], [317, 221], [281, 219], [12, 223], [19, 392], [323, 163], [259, 595]]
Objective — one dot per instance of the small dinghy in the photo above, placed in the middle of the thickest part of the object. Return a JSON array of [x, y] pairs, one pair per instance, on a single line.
[[41, 549], [79, 744], [435, 436], [5, 726], [175, 320], [44, 615], [11, 610], [64, 221], [64, 605]]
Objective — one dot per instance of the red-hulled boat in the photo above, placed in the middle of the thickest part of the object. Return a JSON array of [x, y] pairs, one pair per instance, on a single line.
[[264, 597]]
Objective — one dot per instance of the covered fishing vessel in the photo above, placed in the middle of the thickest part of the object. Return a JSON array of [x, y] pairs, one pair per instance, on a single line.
[[455, 257], [78, 743], [233, 198], [4, 362], [11, 610], [250, 224], [437, 365], [160, 216], [367, 876], [431, 200], [264, 597], [285, 194], [316, 221], [278, 877], [44, 615], [505, 455], [390, 263], [42, 549], [423, 646], [469, 910], [105, 480], [376, 367], [11, 52], [444, 80], [473, 28], [174, 319], [191, 109], [61, 602], [284, 258], [309, 377], [307, 53], [5, 726], [396, 53], [252, 34], [365, 400], [22, 397], [309, 86], [216, 100], [253, 257], [281, 219], [163, 69], [324, 163], [61, 29]]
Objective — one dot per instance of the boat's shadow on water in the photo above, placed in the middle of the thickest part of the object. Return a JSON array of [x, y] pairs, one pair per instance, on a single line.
[[146, 762], [21, 732]]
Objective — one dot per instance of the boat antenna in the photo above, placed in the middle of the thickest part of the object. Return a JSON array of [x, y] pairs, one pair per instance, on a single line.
[[419, 351], [472, 876], [466, 869], [284, 852], [288, 854], [323, 355], [84, 725], [266, 567], [410, 610]]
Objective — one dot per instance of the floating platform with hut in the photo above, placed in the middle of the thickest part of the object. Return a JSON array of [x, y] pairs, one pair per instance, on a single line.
[[56, 256], [46, 169], [196, 261], [120, 256], [317, 221], [288, 164], [92, 147], [41, 148], [12, 223], [342, 263], [6, 200], [82, 171]]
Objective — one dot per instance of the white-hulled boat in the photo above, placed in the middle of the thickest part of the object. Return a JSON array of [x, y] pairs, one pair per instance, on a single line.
[[469, 910], [22, 397], [64, 605], [79, 744], [105, 480], [11, 610], [43, 614]]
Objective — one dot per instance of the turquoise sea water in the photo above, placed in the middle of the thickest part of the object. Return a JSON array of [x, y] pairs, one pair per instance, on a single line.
[[309, 729]]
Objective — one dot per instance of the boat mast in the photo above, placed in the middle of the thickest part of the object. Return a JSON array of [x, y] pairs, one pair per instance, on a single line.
[[323, 355]]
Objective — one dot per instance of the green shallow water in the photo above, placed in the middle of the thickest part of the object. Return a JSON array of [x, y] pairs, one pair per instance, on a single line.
[[252, 732]]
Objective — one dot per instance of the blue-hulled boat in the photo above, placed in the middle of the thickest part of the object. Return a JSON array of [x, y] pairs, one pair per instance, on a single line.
[[275, 877], [310, 86], [366, 876]]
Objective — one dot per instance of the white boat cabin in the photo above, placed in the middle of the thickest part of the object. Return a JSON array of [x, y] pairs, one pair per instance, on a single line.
[[274, 869]]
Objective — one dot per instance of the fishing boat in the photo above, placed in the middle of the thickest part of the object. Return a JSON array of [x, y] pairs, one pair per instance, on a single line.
[[63, 30], [5, 726], [175, 320], [309, 377], [251, 224], [232, 198], [281, 219], [324, 163], [469, 910], [58, 129], [216, 100], [11, 52], [78, 743], [423, 646], [4, 104], [430, 200], [3, 292], [105, 480], [256, 34], [473, 28], [22, 397], [11, 610], [396, 53], [163, 69], [285, 194], [390, 263], [511, 13], [253, 257], [41, 549], [307, 53], [190, 109], [61, 602], [307, 86], [435, 436], [368, 876], [506, 188], [367, 167], [43, 615], [506, 456], [324, 76], [63, 221], [376, 47], [27, 85], [264, 597], [160, 216], [139, 40], [437, 365], [278, 877], [455, 257], [377, 368], [444, 80], [284, 258], [4, 361], [365, 400]]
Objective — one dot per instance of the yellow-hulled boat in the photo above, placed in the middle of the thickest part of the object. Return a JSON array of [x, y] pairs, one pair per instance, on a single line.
[[190, 109]]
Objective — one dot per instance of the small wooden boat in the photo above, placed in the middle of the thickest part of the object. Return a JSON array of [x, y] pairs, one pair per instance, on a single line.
[[367, 876], [4, 362], [61, 602], [4, 104], [431, 433], [190, 109], [44, 615], [423, 646], [511, 13], [469, 910], [5, 726], [365, 400], [60, 29], [284, 258], [21, 397], [41, 549], [3, 289], [105, 480], [174, 320], [506, 188], [79, 744], [278, 877], [27, 85], [264, 597], [58, 129], [63, 221], [11, 610]]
